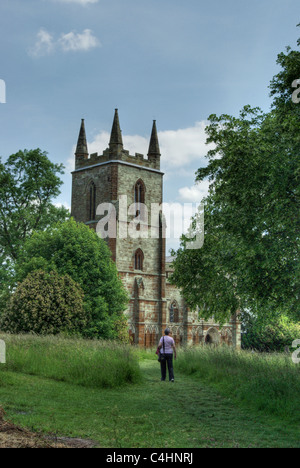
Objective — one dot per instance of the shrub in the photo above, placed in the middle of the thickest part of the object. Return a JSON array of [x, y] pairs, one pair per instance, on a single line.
[[268, 336], [76, 250], [45, 303]]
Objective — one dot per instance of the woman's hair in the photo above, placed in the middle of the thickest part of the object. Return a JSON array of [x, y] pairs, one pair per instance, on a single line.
[[167, 331]]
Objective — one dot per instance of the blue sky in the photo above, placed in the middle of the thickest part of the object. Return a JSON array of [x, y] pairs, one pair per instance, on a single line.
[[170, 60]]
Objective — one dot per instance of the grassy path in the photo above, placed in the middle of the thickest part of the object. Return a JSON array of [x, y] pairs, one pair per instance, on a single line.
[[157, 414]]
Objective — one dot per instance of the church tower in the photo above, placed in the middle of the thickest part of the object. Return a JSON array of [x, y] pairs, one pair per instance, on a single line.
[[131, 183], [128, 189]]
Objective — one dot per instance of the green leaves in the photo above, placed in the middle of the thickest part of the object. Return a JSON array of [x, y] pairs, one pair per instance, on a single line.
[[45, 303], [74, 249], [28, 183], [250, 257]]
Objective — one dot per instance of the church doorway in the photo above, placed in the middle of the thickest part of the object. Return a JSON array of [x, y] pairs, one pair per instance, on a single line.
[[212, 337], [208, 339]]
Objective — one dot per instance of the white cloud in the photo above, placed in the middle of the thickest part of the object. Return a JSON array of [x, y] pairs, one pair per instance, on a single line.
[[179, 147], [183, 146], [64, 204], [72, 41], [183, 151], [76, 41], [194, 194], [44, 44]]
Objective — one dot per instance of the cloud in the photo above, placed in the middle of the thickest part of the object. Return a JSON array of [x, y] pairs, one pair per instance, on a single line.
[[44, 44], [194, 194], [180, 149], [78, 42], [64, 204], [184, 146], [70, 42]]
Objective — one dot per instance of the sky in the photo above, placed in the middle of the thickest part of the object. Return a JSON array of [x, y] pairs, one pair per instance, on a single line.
[[176, 61]]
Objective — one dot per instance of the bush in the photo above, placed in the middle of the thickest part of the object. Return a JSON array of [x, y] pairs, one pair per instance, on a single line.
[[45, 303], [76, 250], [268, 336]]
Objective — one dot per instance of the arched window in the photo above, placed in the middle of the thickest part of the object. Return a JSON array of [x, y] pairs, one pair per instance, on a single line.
[[92, 201], [174, 312], [138, 260], [139, 192]]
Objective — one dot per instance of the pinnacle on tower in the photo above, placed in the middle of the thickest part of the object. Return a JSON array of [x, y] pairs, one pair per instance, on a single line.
[[116, 141], [82, 148], [154, 149]]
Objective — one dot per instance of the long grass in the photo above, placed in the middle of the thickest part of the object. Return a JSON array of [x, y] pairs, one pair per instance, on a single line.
[[265, 382], [90, 363]]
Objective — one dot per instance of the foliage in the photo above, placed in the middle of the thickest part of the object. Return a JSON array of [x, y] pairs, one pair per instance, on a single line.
[[45, 303], [269, 335], [250, 258], [29, 181], [74, 249], [88, 363]]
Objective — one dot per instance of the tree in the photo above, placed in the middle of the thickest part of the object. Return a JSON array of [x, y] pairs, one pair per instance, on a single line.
[[45, 303], [29, 182], [250, 258], [276, 334], [74, 249]]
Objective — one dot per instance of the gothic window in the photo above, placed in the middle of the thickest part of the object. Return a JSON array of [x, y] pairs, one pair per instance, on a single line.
[[174, 312], [139, 192], [92, 201], [138, 260]]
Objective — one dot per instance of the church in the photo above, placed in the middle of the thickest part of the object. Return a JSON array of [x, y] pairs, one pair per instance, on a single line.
[[143, 266]]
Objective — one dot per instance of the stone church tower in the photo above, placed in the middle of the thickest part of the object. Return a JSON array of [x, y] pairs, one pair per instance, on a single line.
[[125, 181]]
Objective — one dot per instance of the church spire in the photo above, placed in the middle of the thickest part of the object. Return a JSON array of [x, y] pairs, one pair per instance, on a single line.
[[154, 149], [116, 141], [82, 148]]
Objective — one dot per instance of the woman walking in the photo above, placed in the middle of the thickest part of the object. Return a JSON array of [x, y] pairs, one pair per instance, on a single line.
[[167, 350]]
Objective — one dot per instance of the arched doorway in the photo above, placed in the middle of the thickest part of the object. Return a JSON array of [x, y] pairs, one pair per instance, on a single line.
[[212, 336]]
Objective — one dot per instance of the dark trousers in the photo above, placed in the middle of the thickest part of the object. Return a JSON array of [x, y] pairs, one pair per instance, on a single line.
[[163, 367]]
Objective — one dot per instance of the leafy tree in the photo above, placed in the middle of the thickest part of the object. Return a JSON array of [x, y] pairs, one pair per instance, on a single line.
[[29, 182], [74, 249], [250, 257], [276, 334], [45, 303]]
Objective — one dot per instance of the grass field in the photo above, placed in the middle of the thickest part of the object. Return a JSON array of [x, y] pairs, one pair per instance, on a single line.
[[196, 411]]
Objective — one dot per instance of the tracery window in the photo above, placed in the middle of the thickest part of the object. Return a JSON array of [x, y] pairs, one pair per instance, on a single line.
[[138, 260]]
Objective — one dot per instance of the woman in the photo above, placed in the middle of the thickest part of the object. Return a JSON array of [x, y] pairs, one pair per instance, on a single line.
[[167, 348]]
